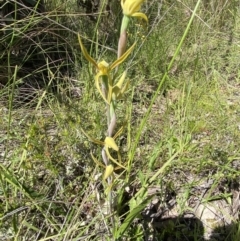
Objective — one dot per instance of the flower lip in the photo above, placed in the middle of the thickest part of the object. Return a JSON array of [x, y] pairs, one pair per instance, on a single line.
[[103, 67]]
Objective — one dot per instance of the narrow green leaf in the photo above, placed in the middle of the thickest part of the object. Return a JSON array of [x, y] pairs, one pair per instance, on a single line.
[[131, 216]]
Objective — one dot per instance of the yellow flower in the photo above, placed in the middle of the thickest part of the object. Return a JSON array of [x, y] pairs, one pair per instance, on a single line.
[[108, 172], [109, 143], [131, 8], [104, 68]]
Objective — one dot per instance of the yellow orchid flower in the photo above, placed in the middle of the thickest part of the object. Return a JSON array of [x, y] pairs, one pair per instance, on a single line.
[[108, 169], [109, 142], [131, 8], [104, 69], [108, 172]]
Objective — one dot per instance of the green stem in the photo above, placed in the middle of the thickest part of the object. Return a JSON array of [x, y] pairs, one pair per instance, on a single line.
[[125, 22]]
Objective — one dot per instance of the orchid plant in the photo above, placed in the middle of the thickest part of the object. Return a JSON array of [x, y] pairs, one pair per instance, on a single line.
[[112, 89]]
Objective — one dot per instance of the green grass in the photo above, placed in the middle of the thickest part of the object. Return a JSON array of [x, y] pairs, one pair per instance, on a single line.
[[180, 117]]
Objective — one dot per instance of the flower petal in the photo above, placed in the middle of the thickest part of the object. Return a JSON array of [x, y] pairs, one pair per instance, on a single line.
[[122, 58], [120, 82], [92, 139], [96, 161], [118, 133], [113, 160], [85, 53], [131, 6], [108, 172], [117, 87], [140, 15], [109, 142], [125, 87], [97, 77]]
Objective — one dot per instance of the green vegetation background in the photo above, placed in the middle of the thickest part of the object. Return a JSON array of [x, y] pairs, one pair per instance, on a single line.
[[50, 187]]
